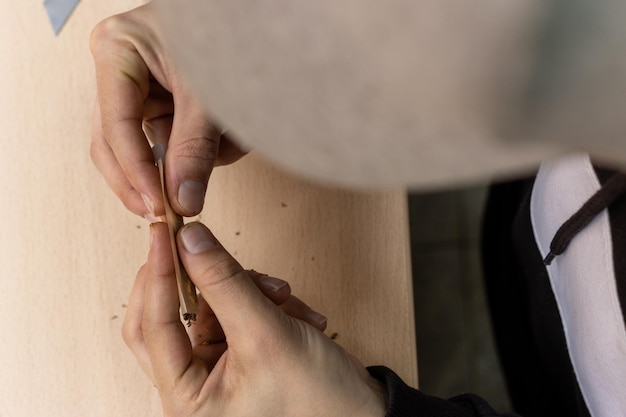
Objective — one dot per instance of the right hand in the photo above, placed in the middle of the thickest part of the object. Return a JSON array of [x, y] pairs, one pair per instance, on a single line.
[[140, 89], [271, 362]]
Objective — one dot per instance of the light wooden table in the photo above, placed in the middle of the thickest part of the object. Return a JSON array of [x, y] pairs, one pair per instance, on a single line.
[[69, 250]]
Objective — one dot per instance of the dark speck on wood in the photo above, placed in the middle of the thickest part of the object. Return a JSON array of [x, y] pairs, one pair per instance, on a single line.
[[113, 318], [334, 336], [283, 204], [237, 233], [138, 226]]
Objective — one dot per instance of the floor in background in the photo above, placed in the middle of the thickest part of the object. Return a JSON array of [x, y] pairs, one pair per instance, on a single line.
[[456, 351]]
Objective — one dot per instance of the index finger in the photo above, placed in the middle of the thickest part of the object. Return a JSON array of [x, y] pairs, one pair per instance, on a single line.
[[123, 80]]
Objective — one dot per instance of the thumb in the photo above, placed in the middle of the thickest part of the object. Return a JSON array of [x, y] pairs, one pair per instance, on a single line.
[[193, 147], [242, 310]]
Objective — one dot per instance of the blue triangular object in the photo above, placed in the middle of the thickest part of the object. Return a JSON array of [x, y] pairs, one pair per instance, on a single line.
[[59, 11]]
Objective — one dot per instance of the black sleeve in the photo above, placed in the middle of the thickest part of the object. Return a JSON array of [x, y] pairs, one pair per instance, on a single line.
[[405, 401]]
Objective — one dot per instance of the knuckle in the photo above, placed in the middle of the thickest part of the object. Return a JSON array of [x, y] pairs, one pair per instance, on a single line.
[[219, 272], [104, 31], [130, 199], [203, 149], [186, 397], [131, 334], [278, 345], [126, 197], [97, 150], [118, 129]]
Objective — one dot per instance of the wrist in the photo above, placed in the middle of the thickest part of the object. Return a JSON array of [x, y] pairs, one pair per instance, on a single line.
[[377, 406]]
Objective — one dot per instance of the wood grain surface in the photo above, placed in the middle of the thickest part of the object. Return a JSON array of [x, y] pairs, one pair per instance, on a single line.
[[69, 250]]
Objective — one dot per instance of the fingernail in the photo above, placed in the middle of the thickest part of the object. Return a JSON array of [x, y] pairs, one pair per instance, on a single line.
[[149, 204], [315, 317], [197, 238], [191, 196], [153, 219], [271, 283]]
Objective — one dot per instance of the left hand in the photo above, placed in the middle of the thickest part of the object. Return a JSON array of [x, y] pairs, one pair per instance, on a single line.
[[142, 96]]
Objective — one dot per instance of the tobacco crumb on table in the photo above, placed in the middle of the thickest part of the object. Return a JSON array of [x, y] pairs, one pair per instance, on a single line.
[[283, 204], [334, 336], [312, 258], [237, 233], [114, 317]]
